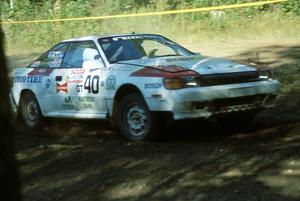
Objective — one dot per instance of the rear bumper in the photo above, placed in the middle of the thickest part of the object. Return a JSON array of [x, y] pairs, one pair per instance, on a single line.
[[204, 102]]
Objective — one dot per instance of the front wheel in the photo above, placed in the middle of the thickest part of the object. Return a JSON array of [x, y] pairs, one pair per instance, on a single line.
[[30, 111], [135, 121]]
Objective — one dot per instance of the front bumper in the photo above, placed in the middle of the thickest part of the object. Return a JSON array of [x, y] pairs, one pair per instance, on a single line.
[[204, 102]]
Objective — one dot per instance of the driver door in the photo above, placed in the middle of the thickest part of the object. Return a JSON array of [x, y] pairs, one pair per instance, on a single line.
[[83, 72]]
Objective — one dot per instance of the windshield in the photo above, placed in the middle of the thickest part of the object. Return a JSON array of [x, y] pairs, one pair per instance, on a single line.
[[124, 48]]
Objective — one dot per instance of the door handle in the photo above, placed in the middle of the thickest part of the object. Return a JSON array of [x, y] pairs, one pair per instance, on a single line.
[[58, 78]]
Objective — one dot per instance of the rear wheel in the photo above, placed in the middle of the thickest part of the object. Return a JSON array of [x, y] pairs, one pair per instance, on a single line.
[[135, 121], [30, 111]]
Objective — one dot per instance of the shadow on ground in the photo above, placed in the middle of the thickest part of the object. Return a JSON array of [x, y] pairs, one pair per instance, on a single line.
[[272, 56], [262, 164]]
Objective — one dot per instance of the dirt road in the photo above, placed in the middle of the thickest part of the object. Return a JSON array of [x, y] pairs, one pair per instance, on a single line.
[[199, 160]]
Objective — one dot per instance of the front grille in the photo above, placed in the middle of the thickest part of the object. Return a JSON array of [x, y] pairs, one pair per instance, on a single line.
[[228, 78], [255, 101]]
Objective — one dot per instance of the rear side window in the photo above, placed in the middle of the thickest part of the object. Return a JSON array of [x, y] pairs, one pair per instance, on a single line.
[[51, 59]]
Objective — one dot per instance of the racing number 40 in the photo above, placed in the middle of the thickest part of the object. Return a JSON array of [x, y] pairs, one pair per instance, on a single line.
[[92, 84]]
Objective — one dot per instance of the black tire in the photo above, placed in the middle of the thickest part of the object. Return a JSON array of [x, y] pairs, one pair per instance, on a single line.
[[135, 121], [29, 111]]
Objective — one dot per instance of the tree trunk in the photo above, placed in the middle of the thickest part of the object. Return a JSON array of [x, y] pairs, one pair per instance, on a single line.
[[9, 180], [11, 4]]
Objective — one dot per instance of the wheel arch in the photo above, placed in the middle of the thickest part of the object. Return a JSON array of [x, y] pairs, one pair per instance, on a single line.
[[25, 92], [122, 92], [33, 122]]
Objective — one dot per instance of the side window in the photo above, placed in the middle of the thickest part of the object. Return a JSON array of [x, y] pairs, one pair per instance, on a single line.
[[79, 53], [52, 58]]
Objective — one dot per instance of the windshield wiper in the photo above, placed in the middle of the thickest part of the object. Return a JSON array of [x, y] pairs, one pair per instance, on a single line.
[[168, 55]]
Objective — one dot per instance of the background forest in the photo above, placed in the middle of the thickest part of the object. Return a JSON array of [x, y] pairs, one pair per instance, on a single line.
[[269, 22]]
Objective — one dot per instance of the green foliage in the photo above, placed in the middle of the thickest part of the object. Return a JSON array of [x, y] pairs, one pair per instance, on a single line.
[[292, 6], [205, 25]]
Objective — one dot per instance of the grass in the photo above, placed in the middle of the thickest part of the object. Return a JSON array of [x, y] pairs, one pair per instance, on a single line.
[[21, 39]]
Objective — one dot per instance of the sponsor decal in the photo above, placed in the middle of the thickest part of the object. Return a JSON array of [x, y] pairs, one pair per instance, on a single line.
[[78, 71], [87, 106], [68, 104], [48, 83], [126, 38], [87, 99], [102, 84], [131, 37], [70, 107], [79, 88], [68, 99], [76, 78], [55, 54], [62, 87], [91, 84], [28, 79], [75, 81], [41, 71], [35, 64], [55, 64], [152, 85], [84, 103], [110, 82]]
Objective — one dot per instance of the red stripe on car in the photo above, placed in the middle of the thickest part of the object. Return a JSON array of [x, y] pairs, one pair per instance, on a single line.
[[41, 71], [164, 71]]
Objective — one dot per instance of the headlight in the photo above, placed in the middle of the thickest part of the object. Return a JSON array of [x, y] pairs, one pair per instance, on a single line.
[[180, 83]]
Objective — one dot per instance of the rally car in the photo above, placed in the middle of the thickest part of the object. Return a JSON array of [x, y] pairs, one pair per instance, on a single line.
[[137, 81]]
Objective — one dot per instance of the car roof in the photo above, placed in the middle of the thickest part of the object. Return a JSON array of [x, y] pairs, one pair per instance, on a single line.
[[94, 37]]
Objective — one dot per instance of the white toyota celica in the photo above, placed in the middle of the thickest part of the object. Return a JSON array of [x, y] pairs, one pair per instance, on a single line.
[[139, 82]]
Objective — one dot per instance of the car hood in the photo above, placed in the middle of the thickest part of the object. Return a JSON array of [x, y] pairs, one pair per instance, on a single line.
[[202, 65]]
